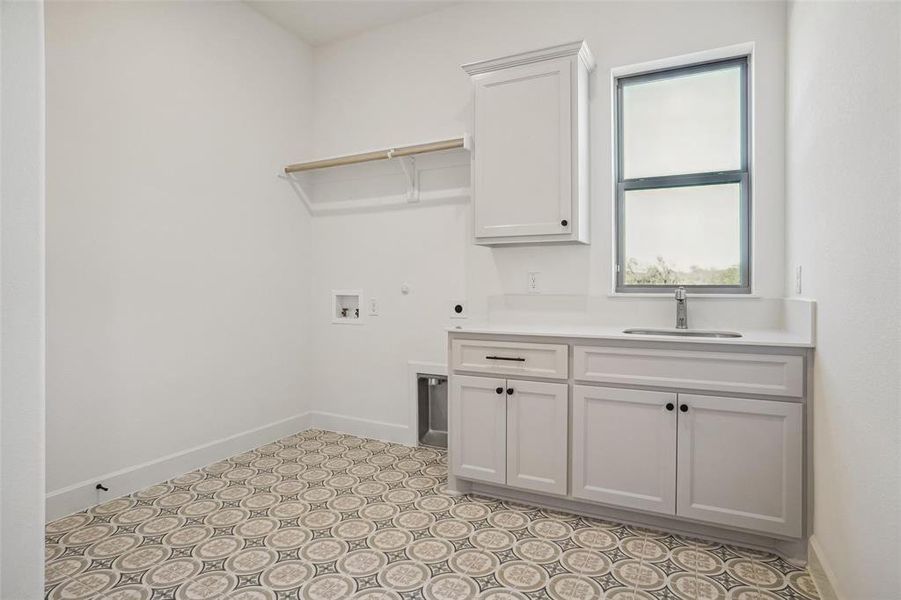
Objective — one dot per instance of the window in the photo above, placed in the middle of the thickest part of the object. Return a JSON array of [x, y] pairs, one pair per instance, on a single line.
[[683, 214]]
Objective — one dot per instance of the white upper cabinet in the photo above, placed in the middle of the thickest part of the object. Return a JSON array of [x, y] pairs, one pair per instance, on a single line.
[[530, 146]]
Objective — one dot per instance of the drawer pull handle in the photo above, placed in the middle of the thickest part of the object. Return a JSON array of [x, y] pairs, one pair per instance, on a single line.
[[509, 391], [683, 408], [499, 390], [514, 359], [669, 406]]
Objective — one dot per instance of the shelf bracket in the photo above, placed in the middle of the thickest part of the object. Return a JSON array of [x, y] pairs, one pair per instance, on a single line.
[[297, 186], [408, 164]]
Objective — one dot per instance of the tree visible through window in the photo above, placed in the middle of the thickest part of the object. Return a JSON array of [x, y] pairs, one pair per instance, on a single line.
[[683, 208]]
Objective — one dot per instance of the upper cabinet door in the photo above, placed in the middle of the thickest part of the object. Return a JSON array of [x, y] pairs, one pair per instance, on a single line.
[[522, 165], [529, 175], [537, 426], [624, 448], [740, 463], [478, 428]]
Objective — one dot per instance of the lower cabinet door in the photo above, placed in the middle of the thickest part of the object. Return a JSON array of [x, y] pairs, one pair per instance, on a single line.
[[740, 463], [478, 424], [537, 424], [624, 448]]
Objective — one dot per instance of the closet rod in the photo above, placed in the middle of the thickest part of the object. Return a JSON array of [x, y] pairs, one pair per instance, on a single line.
[[353, 159]]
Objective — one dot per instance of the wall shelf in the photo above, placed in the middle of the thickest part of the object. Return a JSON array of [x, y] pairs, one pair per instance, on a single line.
[[432, 172]]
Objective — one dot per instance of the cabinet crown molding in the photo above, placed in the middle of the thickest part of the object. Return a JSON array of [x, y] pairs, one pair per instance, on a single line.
[[578, 48]]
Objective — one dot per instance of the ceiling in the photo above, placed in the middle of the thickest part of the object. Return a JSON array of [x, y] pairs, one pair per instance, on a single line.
[[322, 21]]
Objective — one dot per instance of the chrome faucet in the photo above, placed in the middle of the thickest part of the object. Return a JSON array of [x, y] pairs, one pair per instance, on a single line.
[[681, 308]]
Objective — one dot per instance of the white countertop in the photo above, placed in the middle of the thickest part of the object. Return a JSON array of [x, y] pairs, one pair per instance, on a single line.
[[774, 337]]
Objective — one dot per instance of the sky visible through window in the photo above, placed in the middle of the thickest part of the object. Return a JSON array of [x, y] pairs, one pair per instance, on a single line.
[[694, 230], [689, 123]]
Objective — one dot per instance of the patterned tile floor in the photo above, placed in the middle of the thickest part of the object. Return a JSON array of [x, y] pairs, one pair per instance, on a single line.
[[326, 516]]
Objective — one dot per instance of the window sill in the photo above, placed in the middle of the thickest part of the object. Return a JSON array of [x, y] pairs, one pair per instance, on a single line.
[[668, 295]]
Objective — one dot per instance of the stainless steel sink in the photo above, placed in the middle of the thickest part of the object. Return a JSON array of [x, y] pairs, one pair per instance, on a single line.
[[684, 333]]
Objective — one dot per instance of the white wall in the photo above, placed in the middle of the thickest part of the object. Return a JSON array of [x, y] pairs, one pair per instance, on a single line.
[[402, 83], [21, 300], [178, 264], [843, 190]]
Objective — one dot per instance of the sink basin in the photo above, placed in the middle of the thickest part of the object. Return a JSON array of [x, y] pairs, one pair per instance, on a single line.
[[684, 333]]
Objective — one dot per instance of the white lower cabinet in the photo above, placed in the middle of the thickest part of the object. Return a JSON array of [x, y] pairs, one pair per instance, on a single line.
[[740, 463], [478, 427], [624, 448], [728, 461], [714, 459], [537, 422], [510, 432]]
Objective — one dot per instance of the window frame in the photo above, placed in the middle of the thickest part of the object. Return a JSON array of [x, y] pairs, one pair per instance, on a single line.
[[742, 176]]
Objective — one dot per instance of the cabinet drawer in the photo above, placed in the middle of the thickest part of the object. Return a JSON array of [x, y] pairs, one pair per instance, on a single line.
[[767, 374], [510, 358]]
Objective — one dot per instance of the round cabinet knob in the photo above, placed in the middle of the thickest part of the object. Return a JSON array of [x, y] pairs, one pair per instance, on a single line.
[[670, 406], [683, 407], [499, 390], [509, 391], [564, 222]]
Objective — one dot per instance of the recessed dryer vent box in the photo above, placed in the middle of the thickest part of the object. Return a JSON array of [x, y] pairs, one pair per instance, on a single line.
[[346, 306]]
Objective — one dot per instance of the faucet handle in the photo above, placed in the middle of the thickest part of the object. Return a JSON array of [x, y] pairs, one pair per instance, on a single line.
[[681, 294]]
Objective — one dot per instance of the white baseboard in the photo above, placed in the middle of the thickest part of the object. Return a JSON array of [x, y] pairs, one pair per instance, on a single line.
[[821, 572], [389, 432], [82, 495]]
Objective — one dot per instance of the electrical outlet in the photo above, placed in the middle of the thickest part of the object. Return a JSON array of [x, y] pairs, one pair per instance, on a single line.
[[532, 282], [373, 307], [458, 309], [798, 286]]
